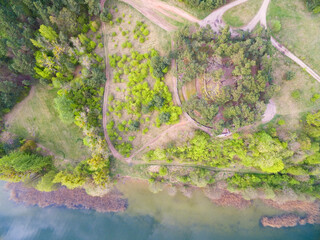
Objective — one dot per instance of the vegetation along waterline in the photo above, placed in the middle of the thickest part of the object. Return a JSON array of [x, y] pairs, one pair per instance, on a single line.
[[93, 92]]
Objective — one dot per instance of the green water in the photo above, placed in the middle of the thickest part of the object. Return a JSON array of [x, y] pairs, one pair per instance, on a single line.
[[149, 216]]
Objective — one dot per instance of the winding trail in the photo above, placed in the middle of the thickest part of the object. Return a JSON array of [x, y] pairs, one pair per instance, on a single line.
[[113, 150]]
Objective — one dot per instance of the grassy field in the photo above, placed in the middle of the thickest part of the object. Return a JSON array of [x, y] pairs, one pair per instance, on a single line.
[[300, 30], [289, 107], [242, 14], [37, 119]]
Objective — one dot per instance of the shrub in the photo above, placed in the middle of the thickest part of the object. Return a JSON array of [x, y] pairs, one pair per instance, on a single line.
[[290, 75], [296, 94], [163, 171], [281, 122], [100, 45], [145, 32], [142, 40], [276, 26]]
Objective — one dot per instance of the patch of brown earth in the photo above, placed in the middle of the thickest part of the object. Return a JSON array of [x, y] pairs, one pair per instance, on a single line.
[[228, 199], [311, 209], [63, 197], [286, 220]]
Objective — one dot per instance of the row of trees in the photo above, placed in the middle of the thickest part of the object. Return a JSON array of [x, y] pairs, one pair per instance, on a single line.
[[289, 162], [205, 4]]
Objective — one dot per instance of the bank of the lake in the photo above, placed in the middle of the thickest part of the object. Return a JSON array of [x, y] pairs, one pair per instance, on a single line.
[[149, 216]]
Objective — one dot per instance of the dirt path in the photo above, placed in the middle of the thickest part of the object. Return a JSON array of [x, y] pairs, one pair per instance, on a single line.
[[215, 18], [294, 58], [20, 105], [151, 142], [146, 9], [114, 152], [261, 17], [150, 8], [270, 112]]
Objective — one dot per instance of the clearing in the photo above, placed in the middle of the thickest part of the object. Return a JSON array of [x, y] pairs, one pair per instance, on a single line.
[[36, 118]]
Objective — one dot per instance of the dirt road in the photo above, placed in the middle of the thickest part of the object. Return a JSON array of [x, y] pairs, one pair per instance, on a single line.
[[261, 17], [152, 8], [215, 18], [270, 112], [294, 58]]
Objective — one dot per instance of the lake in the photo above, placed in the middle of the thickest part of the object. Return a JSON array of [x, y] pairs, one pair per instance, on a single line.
[[149, 216]]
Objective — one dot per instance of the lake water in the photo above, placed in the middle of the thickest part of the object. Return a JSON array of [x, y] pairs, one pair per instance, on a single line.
[[149, 216]]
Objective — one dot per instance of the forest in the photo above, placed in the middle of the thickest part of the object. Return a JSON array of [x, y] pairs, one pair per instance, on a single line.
[[225, 68], [55, 42]]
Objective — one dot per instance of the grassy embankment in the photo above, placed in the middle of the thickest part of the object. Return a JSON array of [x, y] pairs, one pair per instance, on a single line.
[[36, 118], [297, 96], [242, 14]]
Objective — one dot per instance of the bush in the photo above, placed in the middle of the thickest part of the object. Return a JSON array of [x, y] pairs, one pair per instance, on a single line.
[[63, 106], [296, 94], [281, 122], [163, 171], [290, 75], [100, 45], [276, 26]]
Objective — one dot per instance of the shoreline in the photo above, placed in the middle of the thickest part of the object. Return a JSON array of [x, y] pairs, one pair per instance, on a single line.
[[296, 212], [63, 197]]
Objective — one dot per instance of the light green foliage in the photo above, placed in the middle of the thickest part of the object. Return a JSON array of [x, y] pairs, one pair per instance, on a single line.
[[18, 166], [296, 94], [276, 26], [48, 33], [259, 150], [281, 122], [63, 106], [312, 124], [163, 171], [46, 184]]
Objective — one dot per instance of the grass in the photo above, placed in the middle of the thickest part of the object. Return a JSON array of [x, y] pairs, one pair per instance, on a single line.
[[37, 119], [158, 38], [190, 89], [289, 105], [300, 30], [242, 14]]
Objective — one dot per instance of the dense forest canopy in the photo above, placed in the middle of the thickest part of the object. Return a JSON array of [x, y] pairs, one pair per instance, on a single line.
[[226, 67]]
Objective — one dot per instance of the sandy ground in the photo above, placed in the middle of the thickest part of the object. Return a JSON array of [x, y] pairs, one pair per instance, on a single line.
[[270, 112]]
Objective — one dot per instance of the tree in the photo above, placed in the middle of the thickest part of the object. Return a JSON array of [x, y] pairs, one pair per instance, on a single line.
[[105, 15], [63, 106], [159, 66], [66, 21], [18, 166], [48, 33], [164, 117], [312, 124]]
